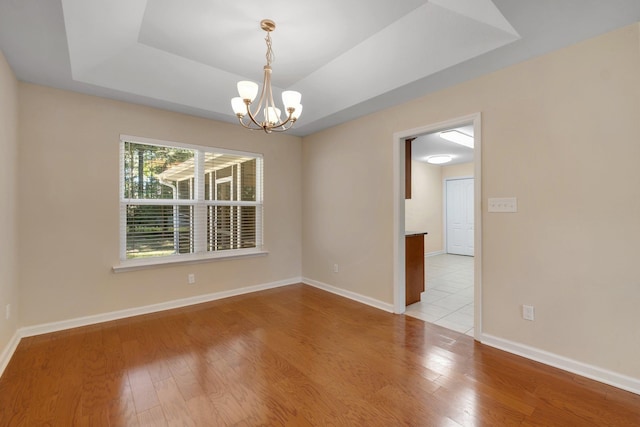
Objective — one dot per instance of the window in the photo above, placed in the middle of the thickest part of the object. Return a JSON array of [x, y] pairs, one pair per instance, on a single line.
[[181, 202]]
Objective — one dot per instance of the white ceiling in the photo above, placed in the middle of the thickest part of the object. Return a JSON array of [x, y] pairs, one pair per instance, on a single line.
[[348, 58], [431, 144]]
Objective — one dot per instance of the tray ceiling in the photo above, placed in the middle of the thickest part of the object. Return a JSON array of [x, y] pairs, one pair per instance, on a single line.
[[346, 58]]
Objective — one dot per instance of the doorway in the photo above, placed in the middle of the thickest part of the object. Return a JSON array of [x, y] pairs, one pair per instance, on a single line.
[[471, 232], [442, 204]]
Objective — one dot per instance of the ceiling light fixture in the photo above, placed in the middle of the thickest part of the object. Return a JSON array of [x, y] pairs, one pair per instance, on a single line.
[[457, 137], [271, 121], [439, 159]]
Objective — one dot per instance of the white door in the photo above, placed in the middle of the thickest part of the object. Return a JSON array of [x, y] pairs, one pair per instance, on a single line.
[[459, 216]]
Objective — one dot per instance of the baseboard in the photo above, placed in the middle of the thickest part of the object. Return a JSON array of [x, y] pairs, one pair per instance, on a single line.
[[9, 350], [348, 294], [147, 309], [428, 254], [605, 376]]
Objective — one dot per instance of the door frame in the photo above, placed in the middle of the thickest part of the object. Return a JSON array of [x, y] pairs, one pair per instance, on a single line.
[[399, 285]]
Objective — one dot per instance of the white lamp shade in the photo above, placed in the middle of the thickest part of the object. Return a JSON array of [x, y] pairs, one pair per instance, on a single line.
[[297, 111], [238, 106], [247, 90], [291, 98], [272, 115]]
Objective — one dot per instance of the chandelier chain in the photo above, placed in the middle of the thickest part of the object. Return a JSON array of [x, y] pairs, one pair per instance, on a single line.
[[269, 54]]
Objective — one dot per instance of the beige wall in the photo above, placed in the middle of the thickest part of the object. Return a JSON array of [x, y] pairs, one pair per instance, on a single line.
[[346, 209], [8, 201], [560, 133], [68, 194], [462, 170], [423, 212]]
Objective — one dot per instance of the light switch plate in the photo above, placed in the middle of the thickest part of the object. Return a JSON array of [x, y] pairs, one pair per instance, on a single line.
[[503, 204]]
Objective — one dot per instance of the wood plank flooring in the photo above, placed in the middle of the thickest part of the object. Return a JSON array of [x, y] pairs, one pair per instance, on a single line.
[[293, 356]]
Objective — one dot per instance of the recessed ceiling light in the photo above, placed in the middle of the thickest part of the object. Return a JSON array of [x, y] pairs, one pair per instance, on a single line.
[[439, 159], [457, 137]]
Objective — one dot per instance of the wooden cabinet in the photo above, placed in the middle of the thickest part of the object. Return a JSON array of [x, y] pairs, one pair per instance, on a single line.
[[407, 167], [414, 266]]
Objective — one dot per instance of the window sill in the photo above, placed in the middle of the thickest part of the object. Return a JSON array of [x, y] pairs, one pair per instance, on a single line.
[[140, 264]]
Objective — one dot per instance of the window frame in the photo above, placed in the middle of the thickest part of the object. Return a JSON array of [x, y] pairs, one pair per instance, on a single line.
[[200, 206]]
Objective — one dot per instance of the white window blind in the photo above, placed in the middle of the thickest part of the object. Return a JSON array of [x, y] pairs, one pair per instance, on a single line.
[[182, 201]]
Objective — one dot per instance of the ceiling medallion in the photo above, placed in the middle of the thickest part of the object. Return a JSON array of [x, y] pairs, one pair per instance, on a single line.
[[265, 116]]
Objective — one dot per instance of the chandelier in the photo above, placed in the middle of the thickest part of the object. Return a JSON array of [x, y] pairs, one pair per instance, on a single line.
[[265, 115]]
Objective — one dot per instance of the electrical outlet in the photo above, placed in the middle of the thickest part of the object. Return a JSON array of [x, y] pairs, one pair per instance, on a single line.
[[8, 311], [528, 312], [191, 278], [336, 268]]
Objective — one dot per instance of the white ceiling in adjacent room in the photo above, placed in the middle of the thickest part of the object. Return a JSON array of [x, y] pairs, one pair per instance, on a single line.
[[431, 144]]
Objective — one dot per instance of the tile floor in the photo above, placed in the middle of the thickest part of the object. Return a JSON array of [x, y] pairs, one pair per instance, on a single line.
[[448, 297]]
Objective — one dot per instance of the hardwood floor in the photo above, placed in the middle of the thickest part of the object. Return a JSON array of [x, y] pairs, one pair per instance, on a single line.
[[293, 356]]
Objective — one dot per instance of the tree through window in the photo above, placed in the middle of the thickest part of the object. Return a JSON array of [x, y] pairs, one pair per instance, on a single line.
[[179, 200]]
